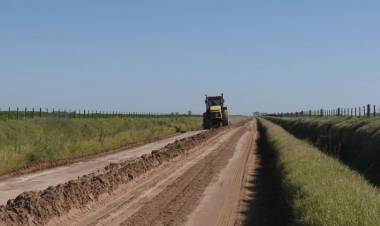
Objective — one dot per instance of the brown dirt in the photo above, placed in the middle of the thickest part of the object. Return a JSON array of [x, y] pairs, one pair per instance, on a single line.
[[36, 208], [207, 179], [170, 186], [262, 202], [37, 181], [172, 205]]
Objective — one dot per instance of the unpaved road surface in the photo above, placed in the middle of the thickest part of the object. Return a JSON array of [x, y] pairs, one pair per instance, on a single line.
[[205, 186], [199, 180], [11, 187]]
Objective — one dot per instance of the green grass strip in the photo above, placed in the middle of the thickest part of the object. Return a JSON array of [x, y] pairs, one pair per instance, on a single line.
[[28, 142], [319, 189], [355, 141]]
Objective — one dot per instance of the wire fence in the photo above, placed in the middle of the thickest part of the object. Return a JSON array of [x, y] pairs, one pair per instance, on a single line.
[[30, 113], [362, 111]]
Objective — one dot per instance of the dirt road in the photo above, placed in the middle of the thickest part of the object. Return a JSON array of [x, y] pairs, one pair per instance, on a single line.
[[200, 180], [11, 187], [203, 187]]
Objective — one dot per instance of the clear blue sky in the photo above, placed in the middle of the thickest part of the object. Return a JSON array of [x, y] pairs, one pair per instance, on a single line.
[[165, 55]]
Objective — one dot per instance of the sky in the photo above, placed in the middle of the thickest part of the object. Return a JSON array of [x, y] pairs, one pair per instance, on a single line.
[[164, 56]]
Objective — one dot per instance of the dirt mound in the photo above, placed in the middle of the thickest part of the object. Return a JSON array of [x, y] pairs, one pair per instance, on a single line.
[[38, 207]]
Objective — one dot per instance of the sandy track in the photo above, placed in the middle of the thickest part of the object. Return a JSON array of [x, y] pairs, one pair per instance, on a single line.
[[202, 187], [11, 187], [220, 203]]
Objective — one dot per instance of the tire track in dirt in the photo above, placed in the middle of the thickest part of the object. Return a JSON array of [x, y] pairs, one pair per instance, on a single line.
[[130, 198], [165, 187], [39, 207], [220, 202], [12, 186], [178, 200]]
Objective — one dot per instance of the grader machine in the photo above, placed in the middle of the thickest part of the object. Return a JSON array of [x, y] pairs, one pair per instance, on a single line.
[[216, 114]]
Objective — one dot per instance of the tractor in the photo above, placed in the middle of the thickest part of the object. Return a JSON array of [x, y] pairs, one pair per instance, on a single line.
[[216, 114]]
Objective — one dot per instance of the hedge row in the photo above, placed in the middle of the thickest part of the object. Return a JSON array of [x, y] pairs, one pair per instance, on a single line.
[[318, 188], [356, 142]]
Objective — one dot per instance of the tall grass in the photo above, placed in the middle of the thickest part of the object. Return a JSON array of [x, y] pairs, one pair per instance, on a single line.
[[355, 141], [319, 189], [27, 142]]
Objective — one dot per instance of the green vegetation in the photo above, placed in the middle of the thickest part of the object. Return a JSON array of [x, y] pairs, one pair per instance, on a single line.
[[27, 142], [319, 189], [355, 141]]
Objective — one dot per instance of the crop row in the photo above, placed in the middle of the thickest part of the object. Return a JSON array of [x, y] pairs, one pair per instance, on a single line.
[[318, 189], [354, 141]]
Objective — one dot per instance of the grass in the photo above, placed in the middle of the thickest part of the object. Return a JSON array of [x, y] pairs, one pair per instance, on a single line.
[[319, 189], [355, 141], [28, 142]]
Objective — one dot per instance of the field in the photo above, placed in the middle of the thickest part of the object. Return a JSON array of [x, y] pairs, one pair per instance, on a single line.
[[24, 143], [302, 172], [158, 185], [354, 141], [318, 189]]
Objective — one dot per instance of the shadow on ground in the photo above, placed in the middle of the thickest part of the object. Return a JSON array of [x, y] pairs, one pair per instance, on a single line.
[[265, 205]]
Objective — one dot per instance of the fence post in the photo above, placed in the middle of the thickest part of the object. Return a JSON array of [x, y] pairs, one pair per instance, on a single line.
[[17, 114], [9, 112], [368, 110], [374, 110]]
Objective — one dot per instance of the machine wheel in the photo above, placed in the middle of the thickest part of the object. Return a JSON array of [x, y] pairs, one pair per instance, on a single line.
[[206, 121], [225, 118]]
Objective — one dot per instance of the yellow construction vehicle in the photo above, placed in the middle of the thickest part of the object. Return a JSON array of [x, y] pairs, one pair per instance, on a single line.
[[216, 114]]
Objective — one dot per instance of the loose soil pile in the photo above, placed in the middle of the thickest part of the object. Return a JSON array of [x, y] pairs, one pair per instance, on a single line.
[[38, 207]]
